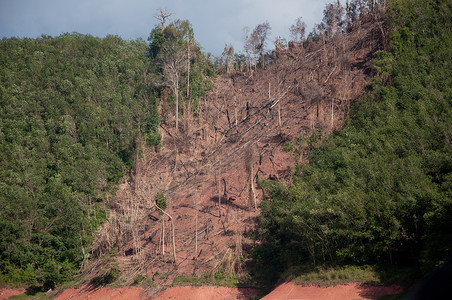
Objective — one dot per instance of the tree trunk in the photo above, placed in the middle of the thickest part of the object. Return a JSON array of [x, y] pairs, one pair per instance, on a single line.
[[177, 105], [332, 114], [235, 110], [196, 225], [172, 229], [163, 235], [188, 65], [219, 189], [253, 191]]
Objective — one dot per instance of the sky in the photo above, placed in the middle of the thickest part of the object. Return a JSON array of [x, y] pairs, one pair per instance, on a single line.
[[215, 22]]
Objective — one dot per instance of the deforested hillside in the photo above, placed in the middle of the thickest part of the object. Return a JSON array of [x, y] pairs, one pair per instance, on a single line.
[[190, 212], [325, 159]]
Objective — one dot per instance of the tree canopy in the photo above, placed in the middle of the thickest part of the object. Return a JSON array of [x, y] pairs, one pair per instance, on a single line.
[[72, 110], [380, 191]]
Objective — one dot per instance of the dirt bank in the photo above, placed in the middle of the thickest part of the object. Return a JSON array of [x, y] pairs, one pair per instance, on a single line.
[[207, 292], [283, 291], [125, 293], [339, 292], [202, 292]]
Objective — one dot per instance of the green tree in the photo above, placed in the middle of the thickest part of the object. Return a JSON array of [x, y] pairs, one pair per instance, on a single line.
[[71, 110], [380, 190]]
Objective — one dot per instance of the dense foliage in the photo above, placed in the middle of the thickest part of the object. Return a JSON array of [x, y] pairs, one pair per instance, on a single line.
[[380, 191], [72, 110]]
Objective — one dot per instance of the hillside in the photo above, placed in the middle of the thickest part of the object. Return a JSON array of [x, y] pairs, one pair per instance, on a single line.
[[327, 160], [378, 192], [71, 110], [231, 142]]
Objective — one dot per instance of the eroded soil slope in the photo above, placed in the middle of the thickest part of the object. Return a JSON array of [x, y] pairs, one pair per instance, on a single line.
[[210, 167]]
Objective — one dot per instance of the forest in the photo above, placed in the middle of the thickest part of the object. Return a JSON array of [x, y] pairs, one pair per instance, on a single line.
[[378, 191]]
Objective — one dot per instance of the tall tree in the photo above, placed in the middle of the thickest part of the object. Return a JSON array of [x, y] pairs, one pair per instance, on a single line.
[[171, 59], [333, 18], [228, 56], [162, 16], [247, 46], [259, 38], [298, 29]]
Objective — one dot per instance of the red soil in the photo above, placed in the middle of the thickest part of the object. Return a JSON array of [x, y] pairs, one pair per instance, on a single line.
[[6, 293], [339, 292], [206, 292], [284, 291], [183, 292], [125, 293]]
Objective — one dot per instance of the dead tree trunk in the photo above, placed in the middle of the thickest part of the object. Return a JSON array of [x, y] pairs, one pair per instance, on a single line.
[[188, 65], [253, 191], [163, 235], [177, 106], [332, 114], [196, 224], [250, 157], [235, 110], [172, 229], [219, 189]]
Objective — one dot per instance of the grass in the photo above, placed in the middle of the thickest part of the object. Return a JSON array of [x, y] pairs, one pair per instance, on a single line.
[[143, 280], [334, 275], [217, 279], [188, 281], [25, 296], [106, 278]]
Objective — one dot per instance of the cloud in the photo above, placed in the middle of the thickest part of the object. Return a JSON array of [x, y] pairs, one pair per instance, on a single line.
[[215, 22]]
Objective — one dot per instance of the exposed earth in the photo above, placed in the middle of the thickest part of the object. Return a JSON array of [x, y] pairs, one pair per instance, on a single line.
[[210, 167], [283, 291]]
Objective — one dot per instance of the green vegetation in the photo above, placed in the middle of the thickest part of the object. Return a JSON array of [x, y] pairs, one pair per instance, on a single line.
[[188, 281], [72, 110], [160, 200], [334, 276], [380, 191], [143, 280], [31, 296], [300, 145], [343, 274], [219, 278], [106, 278]]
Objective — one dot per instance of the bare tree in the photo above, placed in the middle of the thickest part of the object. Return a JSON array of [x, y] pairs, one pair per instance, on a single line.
[[195, 204], [191, 50], [247, 46], [172, 61], [163, 232], [228, 56], [258, 39], [298, 29], [162, 16], [333, 18], [351, 14], [219, 188], [188, 64]]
